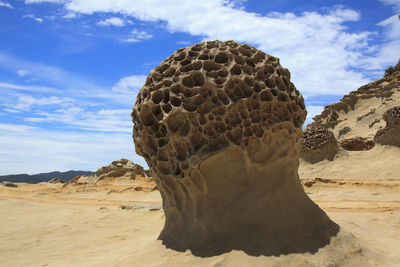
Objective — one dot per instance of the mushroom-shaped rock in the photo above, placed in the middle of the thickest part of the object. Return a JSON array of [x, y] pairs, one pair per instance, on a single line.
[[219, 124], [318, 144], [390, 135]]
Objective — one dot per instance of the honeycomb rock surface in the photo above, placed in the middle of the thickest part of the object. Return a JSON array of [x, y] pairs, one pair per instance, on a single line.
[[318, 144], [219, 124], [390, 135]]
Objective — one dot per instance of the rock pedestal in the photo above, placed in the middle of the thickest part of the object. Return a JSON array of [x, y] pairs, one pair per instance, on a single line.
[[219, 124]]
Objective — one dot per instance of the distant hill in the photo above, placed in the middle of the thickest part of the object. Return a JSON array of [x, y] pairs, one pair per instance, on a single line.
[[42, 177]]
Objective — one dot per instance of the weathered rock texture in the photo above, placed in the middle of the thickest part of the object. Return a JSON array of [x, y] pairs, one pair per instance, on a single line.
[[357, 144], [318, 144], [390, 135], [122, 169], [57, 181], [359, 114], [219, 124]]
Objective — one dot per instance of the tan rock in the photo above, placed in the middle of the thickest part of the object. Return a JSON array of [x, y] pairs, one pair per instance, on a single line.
[[318, 144], [390, 135], [357, 144], [219, 124]]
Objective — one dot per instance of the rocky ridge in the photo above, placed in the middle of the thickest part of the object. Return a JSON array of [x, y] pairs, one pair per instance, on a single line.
[[361, 112], [121, 170]]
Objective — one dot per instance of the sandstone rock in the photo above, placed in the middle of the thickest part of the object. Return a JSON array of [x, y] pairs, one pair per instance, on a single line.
[[318, 144], [219, 124], [56, 181], [357, 144], [380, 89], [344, 131], [390, 135], [119, 169]]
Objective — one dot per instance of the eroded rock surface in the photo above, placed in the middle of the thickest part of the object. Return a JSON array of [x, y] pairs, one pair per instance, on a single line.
[[57, 181], [122, 169], [219, 124], [357, 144], [318, 144], [390, 135]]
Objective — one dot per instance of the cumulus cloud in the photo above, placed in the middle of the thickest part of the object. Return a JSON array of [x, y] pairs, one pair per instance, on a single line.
[[114, 21], [137, 36], [2, 4], [316, 47]]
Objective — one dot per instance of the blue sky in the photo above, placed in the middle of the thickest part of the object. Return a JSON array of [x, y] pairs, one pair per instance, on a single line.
[[70, 69]]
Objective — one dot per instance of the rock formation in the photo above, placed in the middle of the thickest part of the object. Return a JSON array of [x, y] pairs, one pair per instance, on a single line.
[[219, 124], [390, 135], [318, 144], [359, 114], [57, 181], [122, 169], [357, 144]]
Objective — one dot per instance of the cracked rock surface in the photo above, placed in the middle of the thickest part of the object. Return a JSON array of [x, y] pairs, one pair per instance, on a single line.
[[219, 125]]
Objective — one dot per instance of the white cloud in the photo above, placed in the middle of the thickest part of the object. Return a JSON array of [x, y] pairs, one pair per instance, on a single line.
[[2, 4], [316, 48], [387, 53], [31, 16], [113, 21], [26, 102], [394, 3], [115, 121], [26, 88], [16, 128], [69, 15], [137, 36], [22, 73], [26, 149], [312, 111], [185, 43], [130, 84]]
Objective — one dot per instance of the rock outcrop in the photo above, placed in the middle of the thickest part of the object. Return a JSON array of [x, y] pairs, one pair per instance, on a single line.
[[57, 181], [390, 135], [120, 169], [359, 114], [219, 124], [357, 144], [318, 144]]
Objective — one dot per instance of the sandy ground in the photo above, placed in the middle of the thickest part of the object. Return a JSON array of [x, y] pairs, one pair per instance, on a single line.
[[379, 163], [83, 225]]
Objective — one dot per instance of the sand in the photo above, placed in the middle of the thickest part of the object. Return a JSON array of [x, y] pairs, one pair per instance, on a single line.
[[379, 163], [83, 225]]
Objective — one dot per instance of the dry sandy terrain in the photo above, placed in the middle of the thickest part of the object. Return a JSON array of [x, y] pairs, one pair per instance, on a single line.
[[83, 225]]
